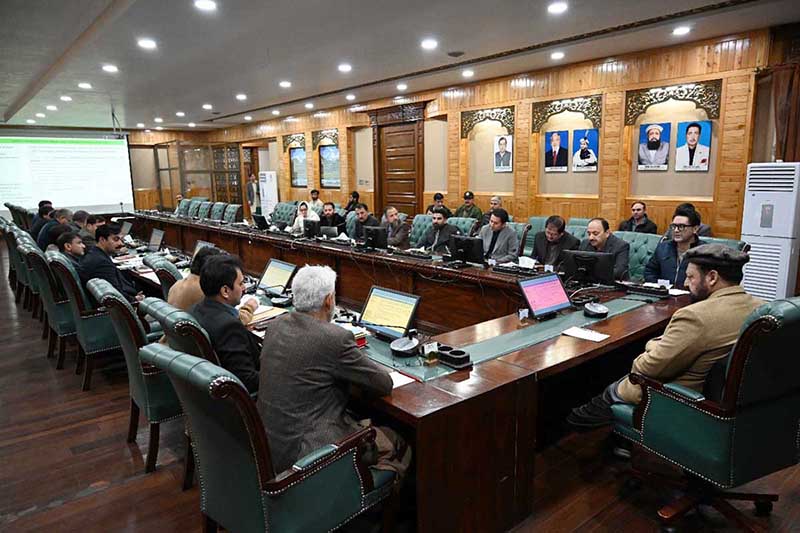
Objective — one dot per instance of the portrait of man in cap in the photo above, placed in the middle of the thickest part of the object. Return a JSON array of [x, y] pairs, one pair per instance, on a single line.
[[654, 146]]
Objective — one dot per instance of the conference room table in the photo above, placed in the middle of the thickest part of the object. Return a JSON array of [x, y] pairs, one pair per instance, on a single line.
[[474, 432]]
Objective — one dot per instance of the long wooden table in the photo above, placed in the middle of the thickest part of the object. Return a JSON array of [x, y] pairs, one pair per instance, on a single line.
[[474, 432]]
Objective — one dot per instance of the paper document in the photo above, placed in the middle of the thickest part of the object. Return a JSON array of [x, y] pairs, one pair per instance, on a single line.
[[585, 334], [152, 277], [526, 262], [677, 292], [398, 379]]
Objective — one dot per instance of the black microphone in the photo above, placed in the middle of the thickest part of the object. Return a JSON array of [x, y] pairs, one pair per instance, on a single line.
[[405, 346]]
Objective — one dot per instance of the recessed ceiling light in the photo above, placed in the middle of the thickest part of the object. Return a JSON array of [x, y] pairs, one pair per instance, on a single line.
[[65, 98], [147, 131], [681, 30], [40, 115], [555, 56], [350, 97], [205, 5], [110, 68], [146, 43], [51, 108], [158, 119], [140, 124], [248, 117], [180, 114], [309, 105], [159, 128], [192, 124], [345, 67], [402, 86], [556, 8], [276, 112], [429, 44], [285, 84], [84, 85], [241, 97], [468, 73], [30, 121], [208, 106]]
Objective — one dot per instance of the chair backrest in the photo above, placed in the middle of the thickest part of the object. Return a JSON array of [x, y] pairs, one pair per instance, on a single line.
[[537, 224], [419, 227], [575, 221], [200, 198], [165, 271], [218, 210], [194, 207], [317, 209], [205, 210], [183, 331], [70, 282], [228, 438], [50, 292], [233, 213], [465, 225], [642, 248], [15, 237], [579, 232], [742, 246], [183, 207], [522, 230], [350, 224], [284, 212], [341, 212]]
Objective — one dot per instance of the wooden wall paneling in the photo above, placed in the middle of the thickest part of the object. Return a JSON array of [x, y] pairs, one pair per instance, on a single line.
[[520, 206], [453, 157], [614, 159], [660, 210], [533, 174], [567, 205], [145, 198]]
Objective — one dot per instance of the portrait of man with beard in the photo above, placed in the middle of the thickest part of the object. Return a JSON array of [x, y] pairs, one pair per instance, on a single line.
[[654, 146]]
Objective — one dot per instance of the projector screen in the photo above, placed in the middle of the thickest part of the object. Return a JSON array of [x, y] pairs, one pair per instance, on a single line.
[[73, 172]]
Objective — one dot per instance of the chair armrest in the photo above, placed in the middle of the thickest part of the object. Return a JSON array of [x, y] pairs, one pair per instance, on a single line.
[[316, 455], [674, 392], [687, 393]]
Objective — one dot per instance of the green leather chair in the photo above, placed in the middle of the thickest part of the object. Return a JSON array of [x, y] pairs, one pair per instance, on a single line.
[[205, 210], [200, 198], [284, 212], [184, 333], [93, 326], [233, 213], [750, 431], [578, 222], [12, 271], [419, 227], [165, 271], [579, 232], [350, 224], [317, 210], [33, 281], [218, 210], [17, 237], [341, 212], [522, 230], [642, 248], [150, 388], [239, 489], [59, 322], [183, 207], [465, 225], [731, 243], [537, 224], [194, 207]]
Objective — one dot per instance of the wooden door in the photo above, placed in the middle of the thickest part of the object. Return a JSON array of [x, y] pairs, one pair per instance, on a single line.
[[401, 174]]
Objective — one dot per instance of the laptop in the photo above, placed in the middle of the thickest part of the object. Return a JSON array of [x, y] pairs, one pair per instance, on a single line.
[[261, 221], [331, 232], [155, 240], [277, 277]]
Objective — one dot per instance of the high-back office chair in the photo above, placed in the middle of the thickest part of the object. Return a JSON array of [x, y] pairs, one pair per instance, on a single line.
[[5, 227], [642, 248], [59, 322], [37, 311], [16, 236], [522, 230], [167, 273], [218, 210], [183, 207], [183, 331], [341, 212], [742, 246], [150, 388], [350, 224], [194, 207], [205, 210], [316, 209], [419, 227], [750, 432], [233, 213], [579, 232], [284, 213], [575, 221], [465, 225], [537, 224], [93, 326], [239, 489]]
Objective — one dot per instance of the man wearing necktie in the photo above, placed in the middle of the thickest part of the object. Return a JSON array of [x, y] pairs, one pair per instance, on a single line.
[[557, 155]]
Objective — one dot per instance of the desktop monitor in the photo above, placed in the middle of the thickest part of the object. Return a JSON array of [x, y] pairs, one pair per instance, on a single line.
[[125, 229], [310, 228], [588, 267], [329, 231], [467, 249], [156, 237], [276, 277], [545, 295], [376, 237], [201, 244], [389, 313], [261, 221]]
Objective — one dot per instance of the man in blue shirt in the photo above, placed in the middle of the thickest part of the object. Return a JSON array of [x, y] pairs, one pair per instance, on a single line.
[[667, 261]]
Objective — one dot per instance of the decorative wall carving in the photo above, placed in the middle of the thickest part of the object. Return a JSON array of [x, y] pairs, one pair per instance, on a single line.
[[397, 114], [706, 95], [504, 115], [317, 137], [299, 138], [590, 106]]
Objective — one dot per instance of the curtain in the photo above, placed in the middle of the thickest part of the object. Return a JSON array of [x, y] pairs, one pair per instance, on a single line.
[[786, 99]]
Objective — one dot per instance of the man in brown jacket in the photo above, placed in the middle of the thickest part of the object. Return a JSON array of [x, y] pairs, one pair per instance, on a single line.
[[696, 337]]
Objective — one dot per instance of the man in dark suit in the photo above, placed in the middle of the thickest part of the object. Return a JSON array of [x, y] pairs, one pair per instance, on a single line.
[[668, 261], [557, 155], [97, 262], [639, 222], [330, 218], [58, 217], [307, 367], [363, 218], [222, 283], [549, 244], [397, 230], [438, 235], [71, 245], [600, 239]]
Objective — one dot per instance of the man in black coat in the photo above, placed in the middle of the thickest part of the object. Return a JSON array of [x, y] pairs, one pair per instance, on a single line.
[[549, 244], [97, 263], [600, 239], [330, 218], [363, 219], [222, 283], [639, 222]]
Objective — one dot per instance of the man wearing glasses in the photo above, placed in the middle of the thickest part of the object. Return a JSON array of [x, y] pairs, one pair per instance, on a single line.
[[667, 261]]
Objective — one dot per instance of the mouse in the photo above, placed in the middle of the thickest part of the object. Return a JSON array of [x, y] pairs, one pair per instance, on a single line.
[[595, 310]]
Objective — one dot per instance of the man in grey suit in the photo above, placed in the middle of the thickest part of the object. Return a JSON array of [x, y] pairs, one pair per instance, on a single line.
[[600, 239], [654, 152], [307, 367], [397, 230], [500, 243]]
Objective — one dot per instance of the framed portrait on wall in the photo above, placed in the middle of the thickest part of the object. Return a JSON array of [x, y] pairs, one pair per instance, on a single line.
[[297, 167], [503, 160], [654, 141], [329, 166], [693, 146], [585, 149], [556, 153]]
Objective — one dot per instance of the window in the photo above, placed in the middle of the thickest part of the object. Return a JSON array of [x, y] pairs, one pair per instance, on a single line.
[[329, 166], [297, 167]]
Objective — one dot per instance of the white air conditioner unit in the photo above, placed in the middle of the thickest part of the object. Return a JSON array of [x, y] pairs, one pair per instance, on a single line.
[[771, 225]]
